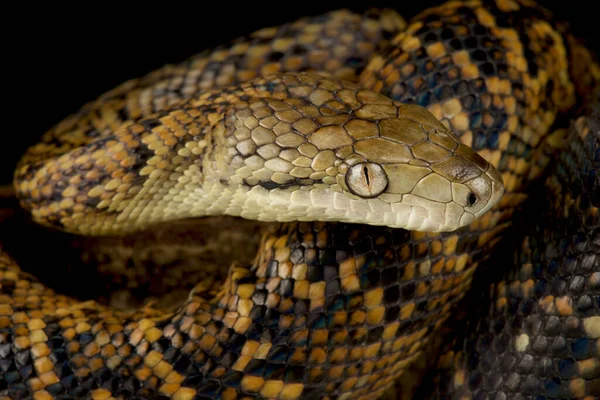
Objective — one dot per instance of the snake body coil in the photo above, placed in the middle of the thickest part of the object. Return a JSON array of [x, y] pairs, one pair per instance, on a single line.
[[540, 325], [326, 310]]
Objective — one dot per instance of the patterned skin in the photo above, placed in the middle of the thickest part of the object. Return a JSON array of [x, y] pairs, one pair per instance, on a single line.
[[290, 147], [326, 310], [540, 325], [540, 332]]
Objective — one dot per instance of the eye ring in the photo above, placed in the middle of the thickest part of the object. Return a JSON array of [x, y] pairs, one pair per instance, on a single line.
[[472, 199], [366, 180]]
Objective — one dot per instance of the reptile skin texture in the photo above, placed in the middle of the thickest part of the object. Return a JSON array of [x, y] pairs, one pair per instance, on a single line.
[[276, 149], [332, 310], [539, 336]]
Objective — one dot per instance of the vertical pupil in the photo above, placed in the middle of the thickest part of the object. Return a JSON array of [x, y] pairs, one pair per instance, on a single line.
[[366, 172]]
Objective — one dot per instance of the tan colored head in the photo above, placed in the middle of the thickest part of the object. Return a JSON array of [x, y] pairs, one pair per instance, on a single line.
[[331, 151], [292, 147]]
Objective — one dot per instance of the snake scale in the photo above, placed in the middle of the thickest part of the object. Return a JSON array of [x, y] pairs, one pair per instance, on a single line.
[[332, 309]]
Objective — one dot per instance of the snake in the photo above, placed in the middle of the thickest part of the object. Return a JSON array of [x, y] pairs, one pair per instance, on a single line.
[[395, 157]]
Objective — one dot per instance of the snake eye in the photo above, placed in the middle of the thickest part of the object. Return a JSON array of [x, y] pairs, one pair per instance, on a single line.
[[366, 180], [471, 199]]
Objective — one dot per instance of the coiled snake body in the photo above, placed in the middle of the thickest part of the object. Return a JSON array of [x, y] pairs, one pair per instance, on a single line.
[[326, 310]]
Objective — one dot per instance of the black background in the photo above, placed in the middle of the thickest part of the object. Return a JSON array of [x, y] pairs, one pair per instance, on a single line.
[[57, 58]]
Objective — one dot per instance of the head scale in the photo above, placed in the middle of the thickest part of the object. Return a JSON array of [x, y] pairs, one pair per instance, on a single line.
[[321, 149]]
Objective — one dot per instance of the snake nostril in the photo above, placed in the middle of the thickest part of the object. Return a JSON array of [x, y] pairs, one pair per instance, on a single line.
[[472, 199]]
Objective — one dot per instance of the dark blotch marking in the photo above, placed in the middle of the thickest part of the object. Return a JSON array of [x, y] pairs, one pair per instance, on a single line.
[[150, 123]]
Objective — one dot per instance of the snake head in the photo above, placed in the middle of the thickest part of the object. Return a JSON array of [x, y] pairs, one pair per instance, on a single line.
[[328, 150], [294, 147], [431, 181]]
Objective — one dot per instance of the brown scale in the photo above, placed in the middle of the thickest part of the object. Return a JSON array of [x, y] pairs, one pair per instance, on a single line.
[[323, 307]]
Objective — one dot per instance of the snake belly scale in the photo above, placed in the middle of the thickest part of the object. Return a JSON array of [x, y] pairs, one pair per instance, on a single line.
[[326, 310]]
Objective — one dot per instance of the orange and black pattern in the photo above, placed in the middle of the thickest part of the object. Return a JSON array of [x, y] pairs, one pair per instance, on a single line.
[[338, 311], [539, 334]]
